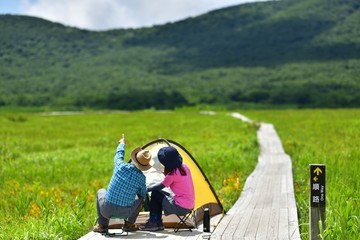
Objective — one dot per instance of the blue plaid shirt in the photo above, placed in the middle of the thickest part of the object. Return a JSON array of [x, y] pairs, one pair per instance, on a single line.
[[126, 182]]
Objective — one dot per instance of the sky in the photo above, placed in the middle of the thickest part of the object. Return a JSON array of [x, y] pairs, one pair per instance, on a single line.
[[101, 15]]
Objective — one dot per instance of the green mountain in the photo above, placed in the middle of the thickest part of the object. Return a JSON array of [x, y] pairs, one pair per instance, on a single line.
[[301, 53]]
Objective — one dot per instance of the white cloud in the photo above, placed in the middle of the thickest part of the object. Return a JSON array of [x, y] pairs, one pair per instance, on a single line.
[[110, 14]]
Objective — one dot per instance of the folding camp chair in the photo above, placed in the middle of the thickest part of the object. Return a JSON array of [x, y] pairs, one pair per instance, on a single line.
[[112, 234], [183, 221]]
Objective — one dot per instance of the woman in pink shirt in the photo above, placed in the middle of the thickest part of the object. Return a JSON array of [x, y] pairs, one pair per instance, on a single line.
[[178, 179]]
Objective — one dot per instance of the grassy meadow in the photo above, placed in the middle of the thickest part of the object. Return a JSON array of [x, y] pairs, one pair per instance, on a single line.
[[51, 166], [328, 137]]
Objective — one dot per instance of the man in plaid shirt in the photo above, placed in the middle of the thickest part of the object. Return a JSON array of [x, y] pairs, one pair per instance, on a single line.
[[126, 190]]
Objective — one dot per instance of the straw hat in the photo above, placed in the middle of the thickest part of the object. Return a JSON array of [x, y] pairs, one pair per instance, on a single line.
[[142, 159]]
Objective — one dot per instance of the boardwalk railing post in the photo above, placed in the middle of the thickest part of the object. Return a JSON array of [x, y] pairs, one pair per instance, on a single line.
[[317, 212]]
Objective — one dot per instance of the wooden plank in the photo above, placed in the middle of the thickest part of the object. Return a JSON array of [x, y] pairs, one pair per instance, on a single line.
[[284, 184], [274, 223], [248, 221], [263, 224], [233, 225], [228, 225], [240, 221], [90, 235], [265, 204], [272, 230], [221, 228], [283, 224], [243, 220], [253, 224], [294, 232], [168, 233], [259, 200]]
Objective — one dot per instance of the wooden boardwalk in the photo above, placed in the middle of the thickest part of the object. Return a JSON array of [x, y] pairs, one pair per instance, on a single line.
[[168, 233], [265, 210]]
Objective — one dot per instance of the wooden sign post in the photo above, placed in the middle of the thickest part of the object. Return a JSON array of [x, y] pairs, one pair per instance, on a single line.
[[317, 201]]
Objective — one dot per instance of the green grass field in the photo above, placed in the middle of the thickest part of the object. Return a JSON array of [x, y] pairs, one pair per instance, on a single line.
[[52, 166], [328, 137]]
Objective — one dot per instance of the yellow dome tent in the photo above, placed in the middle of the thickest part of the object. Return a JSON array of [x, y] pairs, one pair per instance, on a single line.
[[205, 196]]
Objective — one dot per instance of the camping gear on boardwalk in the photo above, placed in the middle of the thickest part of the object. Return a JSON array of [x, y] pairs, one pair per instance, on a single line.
[[205, 196]]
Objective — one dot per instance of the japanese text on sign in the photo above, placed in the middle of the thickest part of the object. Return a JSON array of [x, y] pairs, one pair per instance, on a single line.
[[317, 185]]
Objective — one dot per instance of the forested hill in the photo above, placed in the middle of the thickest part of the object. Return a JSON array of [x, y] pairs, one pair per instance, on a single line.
[[301, 53]]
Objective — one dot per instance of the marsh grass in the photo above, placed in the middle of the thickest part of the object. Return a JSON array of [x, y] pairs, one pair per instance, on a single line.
[[329, 137], [52, 166]]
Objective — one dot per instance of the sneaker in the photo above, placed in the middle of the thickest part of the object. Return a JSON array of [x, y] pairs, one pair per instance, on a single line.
[[130, 227], [152, 226], [100, 228], [160, 225]]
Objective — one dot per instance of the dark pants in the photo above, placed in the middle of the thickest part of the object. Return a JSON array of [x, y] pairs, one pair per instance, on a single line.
[[106, 210], [163, 201]]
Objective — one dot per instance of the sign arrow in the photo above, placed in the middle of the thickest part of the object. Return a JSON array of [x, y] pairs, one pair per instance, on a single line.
[[317, 171], [315, 178]]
